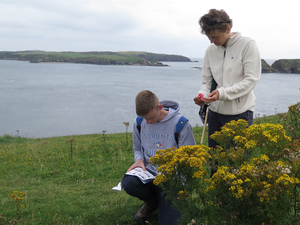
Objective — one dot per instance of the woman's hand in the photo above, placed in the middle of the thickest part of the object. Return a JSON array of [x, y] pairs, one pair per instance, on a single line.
[[212, 97], [198, 101]]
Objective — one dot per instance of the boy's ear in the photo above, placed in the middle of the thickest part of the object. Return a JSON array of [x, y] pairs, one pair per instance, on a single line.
[[160, 106]]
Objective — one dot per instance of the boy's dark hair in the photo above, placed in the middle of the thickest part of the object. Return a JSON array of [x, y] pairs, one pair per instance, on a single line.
[[214, 20], [145, 101]]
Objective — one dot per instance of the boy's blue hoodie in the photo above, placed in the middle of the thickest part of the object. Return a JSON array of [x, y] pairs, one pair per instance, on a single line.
[[160, 135]]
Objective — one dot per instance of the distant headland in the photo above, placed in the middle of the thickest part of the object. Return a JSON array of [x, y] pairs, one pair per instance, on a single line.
[[129, 58], [282, 66], [99, 58]]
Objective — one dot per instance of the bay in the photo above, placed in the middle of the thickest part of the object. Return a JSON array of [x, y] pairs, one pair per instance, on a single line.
[[57, 99]]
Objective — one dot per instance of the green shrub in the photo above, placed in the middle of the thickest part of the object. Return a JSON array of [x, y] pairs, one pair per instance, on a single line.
[[256, 180]]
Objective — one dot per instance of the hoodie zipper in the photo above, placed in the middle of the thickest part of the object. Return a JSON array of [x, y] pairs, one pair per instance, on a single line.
[[238, 100], [223, 70], [223, 64]]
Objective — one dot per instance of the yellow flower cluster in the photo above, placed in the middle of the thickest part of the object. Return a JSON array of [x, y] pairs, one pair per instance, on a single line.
[[182, 195], [175, 162], [251, 137], [218, 177], [263, 158], [250, 144], [18, 196], [237, 190], [260, 176], [160, 179], [287, 180], [247, 168], [241, 141], [229, 131], [266, 134], [264, 193]]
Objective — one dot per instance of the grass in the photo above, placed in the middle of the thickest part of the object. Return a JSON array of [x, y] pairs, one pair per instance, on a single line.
[[68, 180], [61, 189]]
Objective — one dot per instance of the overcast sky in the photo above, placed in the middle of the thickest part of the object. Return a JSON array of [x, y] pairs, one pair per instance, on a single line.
[[158, 26]]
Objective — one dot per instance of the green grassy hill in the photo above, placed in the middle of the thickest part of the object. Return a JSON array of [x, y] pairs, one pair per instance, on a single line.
[[101, 58], [69, 179]]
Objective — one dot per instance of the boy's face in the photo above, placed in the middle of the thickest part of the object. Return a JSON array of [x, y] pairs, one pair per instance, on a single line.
[[153, 116]]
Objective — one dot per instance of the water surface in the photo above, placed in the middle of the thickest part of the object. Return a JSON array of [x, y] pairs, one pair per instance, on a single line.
[[57, 99]]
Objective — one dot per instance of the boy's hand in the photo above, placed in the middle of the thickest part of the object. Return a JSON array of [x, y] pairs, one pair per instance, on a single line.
[[138, 163]]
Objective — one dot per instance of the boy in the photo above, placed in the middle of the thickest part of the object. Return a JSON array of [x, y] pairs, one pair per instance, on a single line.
[[157, 132]]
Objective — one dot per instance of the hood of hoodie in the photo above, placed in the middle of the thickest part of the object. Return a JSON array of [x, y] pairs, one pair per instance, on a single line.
[[234, 38], [171, 106]]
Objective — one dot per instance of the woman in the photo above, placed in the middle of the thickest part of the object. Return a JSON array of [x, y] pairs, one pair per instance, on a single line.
[[234, 63]]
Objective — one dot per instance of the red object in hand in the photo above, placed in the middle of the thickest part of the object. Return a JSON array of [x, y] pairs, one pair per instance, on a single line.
[[200, 96]]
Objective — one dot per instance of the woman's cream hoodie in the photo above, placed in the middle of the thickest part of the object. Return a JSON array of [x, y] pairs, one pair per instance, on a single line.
[[236, 68]]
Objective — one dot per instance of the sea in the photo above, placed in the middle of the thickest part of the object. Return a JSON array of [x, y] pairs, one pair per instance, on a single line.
[[60, 99]]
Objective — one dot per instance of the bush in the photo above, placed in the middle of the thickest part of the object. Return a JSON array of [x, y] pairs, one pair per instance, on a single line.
[[256, 179], [291, 121]]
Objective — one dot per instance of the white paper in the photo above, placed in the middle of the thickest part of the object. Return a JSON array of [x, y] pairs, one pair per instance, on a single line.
[[118, 187], [144, 176]]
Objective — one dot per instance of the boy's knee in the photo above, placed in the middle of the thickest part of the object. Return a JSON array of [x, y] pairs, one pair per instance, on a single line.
[[134, 187], [129, 183]]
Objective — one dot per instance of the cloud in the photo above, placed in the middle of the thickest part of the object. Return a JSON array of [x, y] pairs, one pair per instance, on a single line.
[[58, 20], [168, 26]]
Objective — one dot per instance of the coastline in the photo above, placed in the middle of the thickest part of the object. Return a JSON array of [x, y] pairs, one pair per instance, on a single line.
[[98, 58]]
